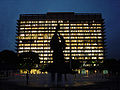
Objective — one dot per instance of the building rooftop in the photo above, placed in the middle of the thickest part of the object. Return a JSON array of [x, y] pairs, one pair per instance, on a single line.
[[62, 16]]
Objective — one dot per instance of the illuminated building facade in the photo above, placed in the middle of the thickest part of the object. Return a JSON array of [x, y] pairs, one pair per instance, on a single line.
[[83, 34]]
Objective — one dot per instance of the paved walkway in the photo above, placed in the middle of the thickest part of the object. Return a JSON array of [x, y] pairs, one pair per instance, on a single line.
[[108, 85], [43, 81]]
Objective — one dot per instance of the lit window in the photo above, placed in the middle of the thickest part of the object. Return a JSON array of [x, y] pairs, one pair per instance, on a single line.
[[100, 57], [94, 57]]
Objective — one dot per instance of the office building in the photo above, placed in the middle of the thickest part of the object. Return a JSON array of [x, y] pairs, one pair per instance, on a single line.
[[83, 34]]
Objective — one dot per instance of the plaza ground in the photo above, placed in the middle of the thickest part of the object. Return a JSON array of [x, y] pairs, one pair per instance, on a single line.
[[78, 82]]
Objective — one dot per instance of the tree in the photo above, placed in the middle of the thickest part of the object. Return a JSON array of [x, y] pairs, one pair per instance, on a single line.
[[112, 65], [8, 59], [76, 64], [28, 60]]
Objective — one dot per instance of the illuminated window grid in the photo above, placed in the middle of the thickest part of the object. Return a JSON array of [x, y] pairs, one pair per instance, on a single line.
[[78, 37], [81, 44], [85, 39]]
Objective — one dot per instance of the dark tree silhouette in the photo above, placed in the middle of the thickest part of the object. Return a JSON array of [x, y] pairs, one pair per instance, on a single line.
[[8, 60], [112, 65], [76, 64], [28, 60]]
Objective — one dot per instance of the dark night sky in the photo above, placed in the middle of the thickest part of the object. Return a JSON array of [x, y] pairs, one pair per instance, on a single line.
[[110, 9]]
